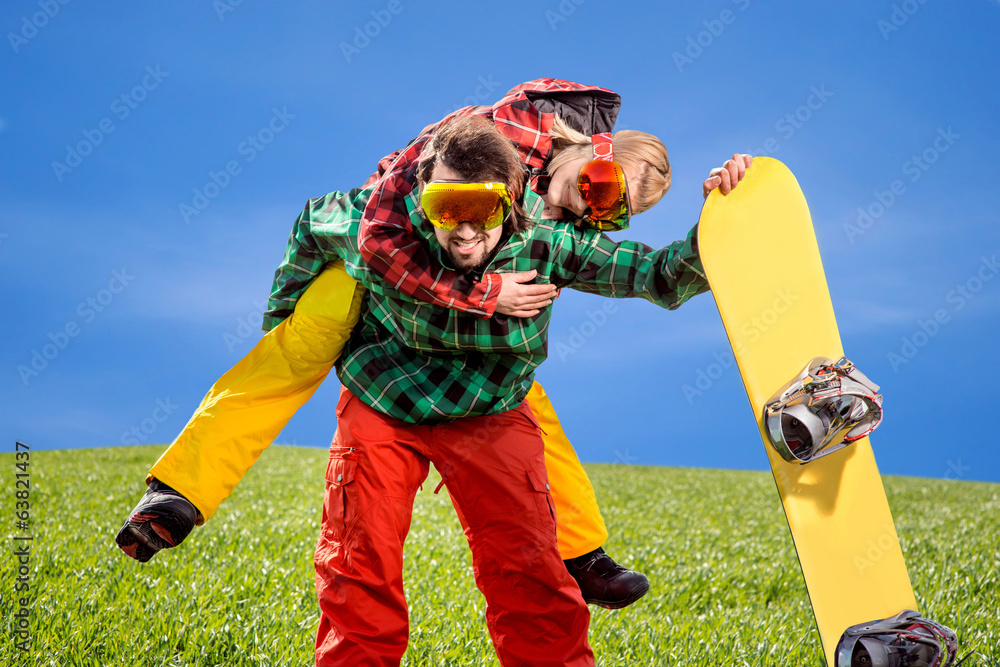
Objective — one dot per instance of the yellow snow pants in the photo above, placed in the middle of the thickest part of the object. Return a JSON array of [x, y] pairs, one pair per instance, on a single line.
[[247, 408]]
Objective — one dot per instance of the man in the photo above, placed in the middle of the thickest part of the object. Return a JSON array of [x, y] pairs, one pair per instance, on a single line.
[[424, 383]]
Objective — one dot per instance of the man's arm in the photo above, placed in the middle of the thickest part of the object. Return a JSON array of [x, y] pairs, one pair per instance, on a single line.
[[668, 277], [323, 232], [591, 262]]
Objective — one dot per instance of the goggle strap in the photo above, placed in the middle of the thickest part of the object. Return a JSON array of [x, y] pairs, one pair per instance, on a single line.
[[603, 147]]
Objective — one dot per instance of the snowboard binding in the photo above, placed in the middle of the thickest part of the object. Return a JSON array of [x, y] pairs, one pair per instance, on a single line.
[[825, 408], [905, 640]]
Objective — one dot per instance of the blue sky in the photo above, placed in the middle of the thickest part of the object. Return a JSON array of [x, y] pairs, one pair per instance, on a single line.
[[114, 118]]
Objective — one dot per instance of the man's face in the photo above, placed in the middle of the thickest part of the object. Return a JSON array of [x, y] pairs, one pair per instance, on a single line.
[[467, 245]]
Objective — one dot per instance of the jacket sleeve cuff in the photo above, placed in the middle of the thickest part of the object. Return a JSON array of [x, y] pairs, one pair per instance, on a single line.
[[493, 284]]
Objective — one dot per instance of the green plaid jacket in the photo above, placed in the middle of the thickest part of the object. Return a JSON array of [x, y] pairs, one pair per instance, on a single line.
[[423, 363]]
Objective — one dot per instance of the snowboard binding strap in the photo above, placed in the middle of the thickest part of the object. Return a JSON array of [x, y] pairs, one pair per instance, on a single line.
[[825, 408], [905, 640]]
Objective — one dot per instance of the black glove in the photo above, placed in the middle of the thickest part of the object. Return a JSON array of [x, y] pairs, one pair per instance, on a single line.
[[162, 519]]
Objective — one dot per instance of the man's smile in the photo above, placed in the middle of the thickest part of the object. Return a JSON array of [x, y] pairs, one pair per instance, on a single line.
[[467, 247]]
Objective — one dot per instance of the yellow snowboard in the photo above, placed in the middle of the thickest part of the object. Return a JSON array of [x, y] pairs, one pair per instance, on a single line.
[[760, 255]]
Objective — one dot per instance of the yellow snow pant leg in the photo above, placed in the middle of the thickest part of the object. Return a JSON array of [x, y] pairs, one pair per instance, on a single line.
[[247, 408], [579, 525]]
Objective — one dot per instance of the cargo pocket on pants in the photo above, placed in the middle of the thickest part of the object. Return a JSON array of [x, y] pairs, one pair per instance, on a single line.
[[340, 506], [543, 499]]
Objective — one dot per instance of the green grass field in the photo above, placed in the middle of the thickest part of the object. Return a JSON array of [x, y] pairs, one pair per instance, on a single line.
[[726, 588]]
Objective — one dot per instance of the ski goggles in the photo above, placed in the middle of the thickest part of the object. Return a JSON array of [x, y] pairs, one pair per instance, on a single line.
[[825, 408], [603, 186], [905, 639], [447, 205]]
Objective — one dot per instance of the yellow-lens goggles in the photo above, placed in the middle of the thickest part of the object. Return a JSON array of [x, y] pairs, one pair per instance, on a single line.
[[447, 205]]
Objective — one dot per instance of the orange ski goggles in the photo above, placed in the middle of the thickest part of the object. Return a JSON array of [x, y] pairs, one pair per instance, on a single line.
[[447, 205], [603, 186]]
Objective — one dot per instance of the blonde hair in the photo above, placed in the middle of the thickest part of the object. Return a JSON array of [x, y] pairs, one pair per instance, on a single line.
[[642, 156]]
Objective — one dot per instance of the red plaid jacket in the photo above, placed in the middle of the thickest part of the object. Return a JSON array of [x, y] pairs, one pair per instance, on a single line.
[[387, 240]]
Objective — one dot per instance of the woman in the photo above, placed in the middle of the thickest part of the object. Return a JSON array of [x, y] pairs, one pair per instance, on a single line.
[[551, 124]]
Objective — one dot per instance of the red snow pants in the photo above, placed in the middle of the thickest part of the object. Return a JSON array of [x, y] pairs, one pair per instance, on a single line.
[[494, 469]]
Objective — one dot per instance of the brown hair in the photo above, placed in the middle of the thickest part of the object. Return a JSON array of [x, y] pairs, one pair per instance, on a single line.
[[474, 147], [642, 156]]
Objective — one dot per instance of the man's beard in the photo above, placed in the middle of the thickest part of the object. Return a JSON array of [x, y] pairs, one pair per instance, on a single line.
[[467, 264]]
